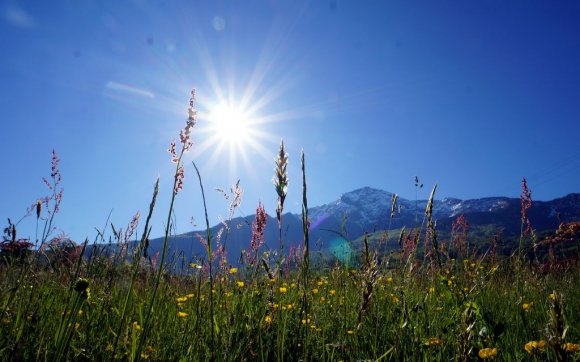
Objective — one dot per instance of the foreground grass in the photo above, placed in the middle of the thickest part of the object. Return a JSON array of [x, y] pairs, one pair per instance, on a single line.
[[452, 314]]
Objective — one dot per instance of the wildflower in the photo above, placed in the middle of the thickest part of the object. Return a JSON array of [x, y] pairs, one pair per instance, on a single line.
[[109, 348], [571, 347], [389, 280], [268, 319], [431, 290], [189, 295], [532, 346], [195, 266], [240, 284], [181, 299], [434, 341], [350, 331], [258, 227], [293, 285], [182, 314], [332, 292], [290, 306], [233, 270], [314, 291], [77, 325], [283, 289], [487, 353], [552, 296], [526, 306], [320, 283], [136, 326], [306, 321]]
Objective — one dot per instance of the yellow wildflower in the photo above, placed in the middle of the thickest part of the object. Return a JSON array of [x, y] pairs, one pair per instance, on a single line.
[[314, 291], [487, 353], [136, 326], [389, 280], [332, 292], [527, 306], [293, 285], [531, 346], [181, 299], [233, 270], [431, 290], [182, 314], [434, 341], [189, 295], [240, 284], [283, 289], [268, 319], [350, 332], [552, 296], [571, 347]]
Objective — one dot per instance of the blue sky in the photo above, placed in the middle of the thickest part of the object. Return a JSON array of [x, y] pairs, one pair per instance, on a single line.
[[472, 95]]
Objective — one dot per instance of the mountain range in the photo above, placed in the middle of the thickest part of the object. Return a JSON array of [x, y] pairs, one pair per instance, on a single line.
[[337, 225]]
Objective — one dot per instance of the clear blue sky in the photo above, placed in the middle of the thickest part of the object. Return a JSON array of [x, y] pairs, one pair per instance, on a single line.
[[472, 95]]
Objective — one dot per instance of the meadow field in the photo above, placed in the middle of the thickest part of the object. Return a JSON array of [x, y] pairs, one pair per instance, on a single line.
[[429, 301]]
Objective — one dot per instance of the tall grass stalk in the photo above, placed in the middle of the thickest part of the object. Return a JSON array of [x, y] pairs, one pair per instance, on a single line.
[[135, 269], [209, 256]]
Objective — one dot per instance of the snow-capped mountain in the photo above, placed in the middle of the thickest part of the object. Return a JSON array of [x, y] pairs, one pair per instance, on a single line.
[[369, 210]]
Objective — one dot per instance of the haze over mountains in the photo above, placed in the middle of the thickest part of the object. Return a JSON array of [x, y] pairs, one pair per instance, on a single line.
[[368, 210]]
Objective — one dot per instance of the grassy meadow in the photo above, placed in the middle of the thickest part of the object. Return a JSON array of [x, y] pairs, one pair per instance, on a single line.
[[431, 301]]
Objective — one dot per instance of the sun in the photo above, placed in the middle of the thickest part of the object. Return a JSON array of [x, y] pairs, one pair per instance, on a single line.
[[230, 125], [232, 133]]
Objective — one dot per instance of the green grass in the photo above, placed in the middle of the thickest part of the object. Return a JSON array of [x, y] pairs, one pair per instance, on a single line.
[[474, 306]]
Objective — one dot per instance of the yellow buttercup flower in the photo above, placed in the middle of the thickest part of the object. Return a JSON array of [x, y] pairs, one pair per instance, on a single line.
[[240, 284], [487, 353], [532, 346], [233, 270], [434, 341], [571, 347], [283, 289], [527, 306]]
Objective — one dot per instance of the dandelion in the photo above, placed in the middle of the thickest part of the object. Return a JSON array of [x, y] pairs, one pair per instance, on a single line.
[[487, 353], [533, 346], [182, 314], [233, 270], [283, 289]]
